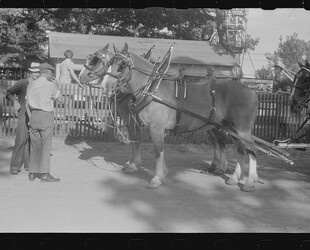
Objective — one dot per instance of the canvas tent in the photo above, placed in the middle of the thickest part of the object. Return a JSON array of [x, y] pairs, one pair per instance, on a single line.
[[193, 55]]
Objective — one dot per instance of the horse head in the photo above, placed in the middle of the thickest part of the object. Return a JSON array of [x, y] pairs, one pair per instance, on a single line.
[[95, 66], [301, 88]]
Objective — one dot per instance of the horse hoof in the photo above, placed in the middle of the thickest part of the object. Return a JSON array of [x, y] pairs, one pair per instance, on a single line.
[[129, 170], [124, 168], [248, 188], [154, 183], [218, 172], [232, 181]]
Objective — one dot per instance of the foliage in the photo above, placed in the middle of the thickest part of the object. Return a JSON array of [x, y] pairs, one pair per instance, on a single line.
[[291, 50], [265, 72], [27, 29], [288, 53]]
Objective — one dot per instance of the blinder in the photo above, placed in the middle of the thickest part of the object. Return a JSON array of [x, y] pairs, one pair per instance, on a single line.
[[96, 59], [122, 79]]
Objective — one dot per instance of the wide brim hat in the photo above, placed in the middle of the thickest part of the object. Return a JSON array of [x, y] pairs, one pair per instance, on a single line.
[[34, 67], [47, 66]]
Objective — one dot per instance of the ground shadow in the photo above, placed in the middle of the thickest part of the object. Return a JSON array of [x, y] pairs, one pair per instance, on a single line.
[[199, 202]]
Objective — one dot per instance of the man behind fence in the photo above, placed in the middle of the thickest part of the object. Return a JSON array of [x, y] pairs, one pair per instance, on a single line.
[[40, 100], [20, 153]]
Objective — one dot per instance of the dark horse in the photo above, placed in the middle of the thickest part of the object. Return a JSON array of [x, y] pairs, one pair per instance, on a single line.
[[300, 95], [301, 88], [235, 110]]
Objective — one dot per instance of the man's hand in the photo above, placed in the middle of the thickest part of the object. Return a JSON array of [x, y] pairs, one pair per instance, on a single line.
[[16, 106]]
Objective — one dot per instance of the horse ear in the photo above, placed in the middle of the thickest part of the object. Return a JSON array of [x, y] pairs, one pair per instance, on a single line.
[[125, 49], [115, 49], [300, 64], [105, 48]]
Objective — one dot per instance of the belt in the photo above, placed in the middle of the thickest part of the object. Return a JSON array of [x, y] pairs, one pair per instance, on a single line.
[[41, 110]]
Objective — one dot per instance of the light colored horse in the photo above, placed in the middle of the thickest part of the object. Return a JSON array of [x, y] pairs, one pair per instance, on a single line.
[[235, 109], [96, 63]]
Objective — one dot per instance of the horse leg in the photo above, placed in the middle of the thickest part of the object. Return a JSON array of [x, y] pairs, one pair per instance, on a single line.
[[249, 186], [249, 151], [135, 161], [219, 163], [238, 174], [161, 167]]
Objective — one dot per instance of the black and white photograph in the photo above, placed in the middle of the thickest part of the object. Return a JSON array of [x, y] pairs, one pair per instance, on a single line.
[[154, 120]]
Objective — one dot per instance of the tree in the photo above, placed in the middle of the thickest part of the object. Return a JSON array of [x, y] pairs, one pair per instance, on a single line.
[[27, 29], [292, 50], [288, 53], [265, 72]]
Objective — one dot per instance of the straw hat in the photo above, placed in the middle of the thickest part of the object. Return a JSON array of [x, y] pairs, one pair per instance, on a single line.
[[34, 67]]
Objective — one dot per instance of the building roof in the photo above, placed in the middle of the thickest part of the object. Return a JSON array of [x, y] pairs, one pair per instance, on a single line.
[[184, 51]]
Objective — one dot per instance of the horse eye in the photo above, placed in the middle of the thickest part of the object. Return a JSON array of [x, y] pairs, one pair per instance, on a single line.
[[121, 67], [94, 61]]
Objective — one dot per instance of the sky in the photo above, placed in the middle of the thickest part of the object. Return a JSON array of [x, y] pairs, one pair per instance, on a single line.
[[269, 25]]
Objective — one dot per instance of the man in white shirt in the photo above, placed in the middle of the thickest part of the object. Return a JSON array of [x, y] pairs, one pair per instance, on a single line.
[[41, 95], [66, 70]]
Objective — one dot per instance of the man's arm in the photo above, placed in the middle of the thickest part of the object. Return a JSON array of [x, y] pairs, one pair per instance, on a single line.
[[11, 92], [28, 109]]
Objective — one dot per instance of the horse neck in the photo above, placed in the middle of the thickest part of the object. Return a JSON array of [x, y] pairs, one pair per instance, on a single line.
[[139, 79]]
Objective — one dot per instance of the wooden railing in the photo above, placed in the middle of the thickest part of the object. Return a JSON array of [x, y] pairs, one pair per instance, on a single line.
[[77, 117]]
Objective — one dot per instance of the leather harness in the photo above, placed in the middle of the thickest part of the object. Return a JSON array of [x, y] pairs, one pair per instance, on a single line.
[[180, 94]]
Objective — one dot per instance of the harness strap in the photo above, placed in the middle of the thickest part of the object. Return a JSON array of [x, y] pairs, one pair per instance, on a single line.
[[171, 105], [180, 94], [213, 97]]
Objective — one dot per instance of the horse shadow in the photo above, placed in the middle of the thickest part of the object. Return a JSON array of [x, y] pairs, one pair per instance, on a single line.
[[179, 157], [197, 204]]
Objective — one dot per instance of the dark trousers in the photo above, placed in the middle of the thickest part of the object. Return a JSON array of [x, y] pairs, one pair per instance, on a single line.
[[20, 153], [41, 134]]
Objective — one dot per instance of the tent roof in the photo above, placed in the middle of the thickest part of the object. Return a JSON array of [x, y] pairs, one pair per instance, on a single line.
[[184, 51]]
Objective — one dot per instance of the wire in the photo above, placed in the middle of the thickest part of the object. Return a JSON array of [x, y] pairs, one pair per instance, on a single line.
[[251, 61]]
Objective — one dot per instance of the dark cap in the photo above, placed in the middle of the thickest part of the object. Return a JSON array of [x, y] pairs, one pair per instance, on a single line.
[[47, 66]]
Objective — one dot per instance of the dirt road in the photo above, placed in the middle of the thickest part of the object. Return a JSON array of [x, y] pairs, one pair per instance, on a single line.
[[95, 196]]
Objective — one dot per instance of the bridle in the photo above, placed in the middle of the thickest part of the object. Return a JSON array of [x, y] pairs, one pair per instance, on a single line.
[[102, 58], [304, 87], [301, 86], [125, 73]]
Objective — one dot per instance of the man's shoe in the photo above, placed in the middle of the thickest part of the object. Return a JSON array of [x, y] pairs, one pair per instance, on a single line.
[[14, 171], [49, 178], [32, 176]]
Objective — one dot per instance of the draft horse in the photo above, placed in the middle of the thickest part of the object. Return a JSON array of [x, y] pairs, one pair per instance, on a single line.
[[234, 110], [300, 95], [93, 71]]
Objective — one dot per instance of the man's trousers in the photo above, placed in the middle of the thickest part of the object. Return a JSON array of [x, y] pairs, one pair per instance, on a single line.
[[41, 134], [20, 154]]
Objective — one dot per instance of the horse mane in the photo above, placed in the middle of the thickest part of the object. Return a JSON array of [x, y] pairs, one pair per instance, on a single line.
[[141, 62]]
